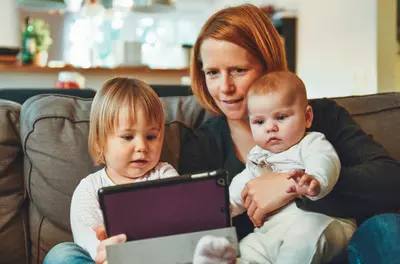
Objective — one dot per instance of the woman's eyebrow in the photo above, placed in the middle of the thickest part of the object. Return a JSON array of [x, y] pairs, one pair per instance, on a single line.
[[208, 68]]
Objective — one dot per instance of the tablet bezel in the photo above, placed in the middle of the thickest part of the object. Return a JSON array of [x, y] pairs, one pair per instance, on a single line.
[[220, 177]]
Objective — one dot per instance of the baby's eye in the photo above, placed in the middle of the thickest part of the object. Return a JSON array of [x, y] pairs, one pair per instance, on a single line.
[[280, 117], [258, 122], [127, 138]]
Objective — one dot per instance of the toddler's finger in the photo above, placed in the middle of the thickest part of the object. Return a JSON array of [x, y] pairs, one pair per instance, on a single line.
[[100, 232]]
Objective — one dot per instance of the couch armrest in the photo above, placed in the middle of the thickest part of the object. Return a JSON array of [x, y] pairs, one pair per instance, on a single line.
[[13, 235]]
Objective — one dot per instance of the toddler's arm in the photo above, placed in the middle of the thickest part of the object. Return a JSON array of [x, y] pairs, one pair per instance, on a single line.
[[85, 215], [167, 171]]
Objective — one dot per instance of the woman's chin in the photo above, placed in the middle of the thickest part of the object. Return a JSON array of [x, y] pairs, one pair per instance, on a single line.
[[236, 115]]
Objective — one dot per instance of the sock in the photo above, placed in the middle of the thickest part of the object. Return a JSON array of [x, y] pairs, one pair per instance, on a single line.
[[214, 250]]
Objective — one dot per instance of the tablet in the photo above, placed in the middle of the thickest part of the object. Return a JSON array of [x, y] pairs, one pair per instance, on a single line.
[[177, 205]]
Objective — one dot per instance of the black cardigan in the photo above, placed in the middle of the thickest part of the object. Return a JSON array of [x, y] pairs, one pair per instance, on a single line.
[[369, 180]]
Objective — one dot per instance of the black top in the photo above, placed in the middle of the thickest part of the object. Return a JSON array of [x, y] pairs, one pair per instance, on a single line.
[[369, 179]]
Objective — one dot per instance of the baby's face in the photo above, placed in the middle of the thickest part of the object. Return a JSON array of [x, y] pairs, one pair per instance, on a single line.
[[277, 125], [133, 149]]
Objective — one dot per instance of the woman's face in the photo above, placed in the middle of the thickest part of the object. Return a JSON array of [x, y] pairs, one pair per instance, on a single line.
[[229, 71]]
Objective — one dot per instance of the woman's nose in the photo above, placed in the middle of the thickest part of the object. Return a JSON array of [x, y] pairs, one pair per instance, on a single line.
[[226, 85]]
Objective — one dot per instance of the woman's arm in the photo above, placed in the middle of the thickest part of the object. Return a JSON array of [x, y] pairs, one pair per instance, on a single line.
[[369, 178]]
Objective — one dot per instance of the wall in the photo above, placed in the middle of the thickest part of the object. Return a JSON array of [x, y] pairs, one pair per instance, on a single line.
[[398, 71], [347, 47], [9, 19], [336, 47], [387, 45]]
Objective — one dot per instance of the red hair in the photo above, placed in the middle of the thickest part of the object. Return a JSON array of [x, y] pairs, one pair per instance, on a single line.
[[246, 26]]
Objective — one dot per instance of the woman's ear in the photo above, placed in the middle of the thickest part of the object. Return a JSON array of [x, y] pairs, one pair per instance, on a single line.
[[309, 116]]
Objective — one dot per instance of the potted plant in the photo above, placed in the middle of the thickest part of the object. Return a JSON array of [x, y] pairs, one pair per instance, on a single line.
[[41, 31]]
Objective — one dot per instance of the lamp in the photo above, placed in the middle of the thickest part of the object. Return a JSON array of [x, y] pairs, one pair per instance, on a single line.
[[42, 4]]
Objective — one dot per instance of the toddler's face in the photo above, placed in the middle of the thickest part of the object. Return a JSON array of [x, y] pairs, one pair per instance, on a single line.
[[134, 149], [275, 124]]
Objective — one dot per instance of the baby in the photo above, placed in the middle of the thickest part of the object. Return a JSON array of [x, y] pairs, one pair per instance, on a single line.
[[279, 115], [126, 134]]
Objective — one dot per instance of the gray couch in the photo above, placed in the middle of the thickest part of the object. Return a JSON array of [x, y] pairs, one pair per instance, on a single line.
[[43, 156]]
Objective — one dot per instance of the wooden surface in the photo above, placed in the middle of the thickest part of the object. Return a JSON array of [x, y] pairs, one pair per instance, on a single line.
[[119, 70]]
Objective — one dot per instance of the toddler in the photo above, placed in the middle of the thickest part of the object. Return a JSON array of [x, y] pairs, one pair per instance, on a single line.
[[126, 135]]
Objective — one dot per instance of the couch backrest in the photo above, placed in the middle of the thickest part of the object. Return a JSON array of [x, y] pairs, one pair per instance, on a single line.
[[54, 133], [379, 116]]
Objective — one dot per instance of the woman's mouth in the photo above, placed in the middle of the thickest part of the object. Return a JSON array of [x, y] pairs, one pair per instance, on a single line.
[[230, 102]]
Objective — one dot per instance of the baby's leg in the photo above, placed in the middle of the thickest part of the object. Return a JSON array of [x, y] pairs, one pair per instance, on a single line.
[[214, 250], [262, 246], [253, 249], [314, 238]]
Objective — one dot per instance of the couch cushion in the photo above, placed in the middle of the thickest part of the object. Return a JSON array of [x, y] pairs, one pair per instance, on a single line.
[[184, 109], [379, 116], [13, 242], [54, 134]]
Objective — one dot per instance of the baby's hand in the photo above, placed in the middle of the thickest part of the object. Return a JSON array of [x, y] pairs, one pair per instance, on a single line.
[[304, 185]]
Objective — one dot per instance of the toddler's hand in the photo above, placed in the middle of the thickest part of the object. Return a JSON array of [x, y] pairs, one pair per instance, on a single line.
[[101, 256], [304, 185]]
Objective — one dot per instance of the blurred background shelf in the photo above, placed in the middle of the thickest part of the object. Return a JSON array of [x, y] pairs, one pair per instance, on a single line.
[[117, 70]]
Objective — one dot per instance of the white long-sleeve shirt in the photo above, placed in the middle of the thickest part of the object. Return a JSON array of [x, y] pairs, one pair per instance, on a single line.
[[85, 207], [313, 153]]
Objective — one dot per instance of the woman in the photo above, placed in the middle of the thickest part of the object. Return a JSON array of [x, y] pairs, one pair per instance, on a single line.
[[235, 47]]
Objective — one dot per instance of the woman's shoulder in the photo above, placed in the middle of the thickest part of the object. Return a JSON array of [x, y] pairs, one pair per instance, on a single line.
[[216, 124], [323, 104]]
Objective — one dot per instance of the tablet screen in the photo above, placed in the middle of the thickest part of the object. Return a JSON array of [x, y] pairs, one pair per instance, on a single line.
[[166, 207]]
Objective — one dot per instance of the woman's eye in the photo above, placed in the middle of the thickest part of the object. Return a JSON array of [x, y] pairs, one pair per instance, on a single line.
[[211, 73], [280, 117], [239, 70]]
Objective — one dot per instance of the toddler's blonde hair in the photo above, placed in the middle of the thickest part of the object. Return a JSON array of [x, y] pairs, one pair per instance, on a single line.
[[117, 94]]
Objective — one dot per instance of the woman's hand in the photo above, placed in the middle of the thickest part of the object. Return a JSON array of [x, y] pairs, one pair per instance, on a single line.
[[101, 256], [267, 193]]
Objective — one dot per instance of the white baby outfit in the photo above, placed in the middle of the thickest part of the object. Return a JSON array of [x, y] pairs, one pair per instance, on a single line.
[[293, 235]]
